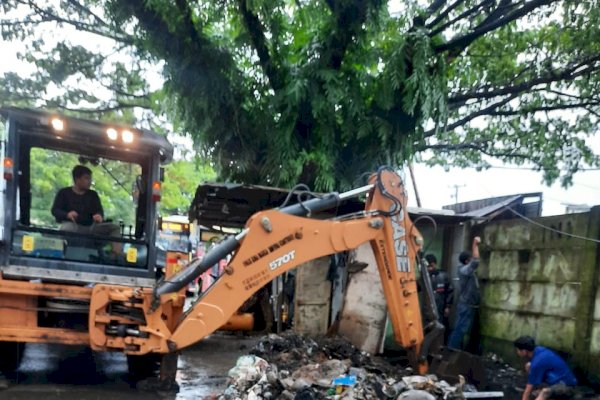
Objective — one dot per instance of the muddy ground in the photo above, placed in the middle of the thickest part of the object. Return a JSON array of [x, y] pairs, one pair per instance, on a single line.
[[53, 372]]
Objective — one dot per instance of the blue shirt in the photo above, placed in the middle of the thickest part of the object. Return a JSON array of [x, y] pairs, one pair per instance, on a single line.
[[548, 367]]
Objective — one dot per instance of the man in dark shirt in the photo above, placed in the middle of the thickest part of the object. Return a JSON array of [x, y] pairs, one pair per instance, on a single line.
[[470, 296], [545, 367], [78, 209], [443, 292]]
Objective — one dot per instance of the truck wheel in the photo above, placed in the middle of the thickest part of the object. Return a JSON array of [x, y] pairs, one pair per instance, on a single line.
[[12, 354], [143, 367]]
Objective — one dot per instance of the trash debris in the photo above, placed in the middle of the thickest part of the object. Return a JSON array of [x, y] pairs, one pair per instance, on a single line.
[[293, 366], [342, 383]]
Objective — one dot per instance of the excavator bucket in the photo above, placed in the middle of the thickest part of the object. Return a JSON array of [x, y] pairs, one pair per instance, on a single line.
[[448, 364]]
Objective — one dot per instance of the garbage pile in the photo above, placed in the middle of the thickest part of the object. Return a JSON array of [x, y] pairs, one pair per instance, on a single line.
[[292, 366]]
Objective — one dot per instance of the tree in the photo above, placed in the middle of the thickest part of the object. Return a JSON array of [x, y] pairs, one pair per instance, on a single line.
[[179, 187], [281, 91]]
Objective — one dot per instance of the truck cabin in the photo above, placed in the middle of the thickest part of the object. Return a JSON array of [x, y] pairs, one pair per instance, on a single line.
[[39, 151]]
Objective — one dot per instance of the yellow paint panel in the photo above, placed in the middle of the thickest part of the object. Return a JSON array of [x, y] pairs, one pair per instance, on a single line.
[[28, 243], [131, 254]]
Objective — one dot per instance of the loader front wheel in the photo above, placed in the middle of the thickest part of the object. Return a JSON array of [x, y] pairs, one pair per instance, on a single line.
[[152, 372], [12, 354], [143, 367]]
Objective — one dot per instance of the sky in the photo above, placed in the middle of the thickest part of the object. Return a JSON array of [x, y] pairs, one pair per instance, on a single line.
[[437, 186]]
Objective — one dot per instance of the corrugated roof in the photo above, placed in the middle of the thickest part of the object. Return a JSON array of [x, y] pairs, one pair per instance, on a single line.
[[231, 205]]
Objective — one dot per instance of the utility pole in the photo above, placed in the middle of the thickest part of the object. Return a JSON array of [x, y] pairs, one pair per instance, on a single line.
[[412, 178], [456, 187]]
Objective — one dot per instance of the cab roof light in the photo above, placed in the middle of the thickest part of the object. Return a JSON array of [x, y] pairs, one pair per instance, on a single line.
[[112, 133], [8, 168], [156, 188], [127, 136], [58, 124]]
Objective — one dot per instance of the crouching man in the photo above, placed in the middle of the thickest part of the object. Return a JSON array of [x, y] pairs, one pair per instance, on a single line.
[[545, 367]]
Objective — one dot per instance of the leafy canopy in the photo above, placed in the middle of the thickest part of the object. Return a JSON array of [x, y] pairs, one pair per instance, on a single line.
[[281, 91]]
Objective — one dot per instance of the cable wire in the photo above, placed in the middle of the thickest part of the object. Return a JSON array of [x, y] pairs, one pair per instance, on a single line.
[[435, 230], [549, 228]]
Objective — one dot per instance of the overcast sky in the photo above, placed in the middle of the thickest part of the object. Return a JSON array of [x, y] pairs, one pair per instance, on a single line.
[[438, 187]]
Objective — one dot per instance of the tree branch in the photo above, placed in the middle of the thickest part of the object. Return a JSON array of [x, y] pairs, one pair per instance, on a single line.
[[47, 16], [544, 108], [503, 7], [461, 16], [256, 32], [342, 34], [444, 14], [478, 146], [569, 73], [123, 93], [464, 120], [461, 42], [88, 11], [434, 7]]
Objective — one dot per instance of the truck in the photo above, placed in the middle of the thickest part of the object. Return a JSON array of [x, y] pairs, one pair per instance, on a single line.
[[56, 286], [174, 247]]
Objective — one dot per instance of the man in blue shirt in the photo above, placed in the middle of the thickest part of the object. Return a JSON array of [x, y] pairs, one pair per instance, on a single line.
[[544, 366]]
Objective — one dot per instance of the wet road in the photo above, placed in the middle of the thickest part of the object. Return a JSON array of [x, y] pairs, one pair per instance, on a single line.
[[53, 372]]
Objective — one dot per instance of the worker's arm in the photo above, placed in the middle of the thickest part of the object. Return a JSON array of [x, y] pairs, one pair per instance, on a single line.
[[527, 392], [59, 206], [475, 249], [470, 268], [96, 207]]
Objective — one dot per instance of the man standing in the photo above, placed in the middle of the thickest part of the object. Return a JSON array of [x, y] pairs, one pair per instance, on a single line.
[[470, 297], [544, 366], [443, 292]]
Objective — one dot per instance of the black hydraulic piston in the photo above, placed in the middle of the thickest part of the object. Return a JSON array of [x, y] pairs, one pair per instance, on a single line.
[[198, 266]]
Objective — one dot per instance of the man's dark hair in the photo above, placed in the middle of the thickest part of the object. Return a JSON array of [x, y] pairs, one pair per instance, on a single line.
[[430, 258], [525, 343], [80, 170], [464, 257]]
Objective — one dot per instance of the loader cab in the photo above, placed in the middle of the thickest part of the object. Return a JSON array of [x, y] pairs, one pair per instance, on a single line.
[[39, 151]]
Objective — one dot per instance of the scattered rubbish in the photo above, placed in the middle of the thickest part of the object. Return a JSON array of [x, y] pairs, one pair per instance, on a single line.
[[293, 366], [342, 383]]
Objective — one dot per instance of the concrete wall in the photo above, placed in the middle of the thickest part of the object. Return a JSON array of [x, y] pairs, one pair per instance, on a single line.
[[538, 282], [313, 297]]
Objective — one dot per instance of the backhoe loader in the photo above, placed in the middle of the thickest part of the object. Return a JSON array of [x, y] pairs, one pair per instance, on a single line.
[[56, 287]]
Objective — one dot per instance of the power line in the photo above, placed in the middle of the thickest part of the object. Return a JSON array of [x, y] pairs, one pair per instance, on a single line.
[[532, 168], [549, 228]]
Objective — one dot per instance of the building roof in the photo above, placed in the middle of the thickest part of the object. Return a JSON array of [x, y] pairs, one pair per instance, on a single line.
[[495, 206], [231, 205]]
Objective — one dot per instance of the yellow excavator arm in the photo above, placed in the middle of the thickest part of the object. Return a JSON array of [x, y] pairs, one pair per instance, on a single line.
[[272, 243]]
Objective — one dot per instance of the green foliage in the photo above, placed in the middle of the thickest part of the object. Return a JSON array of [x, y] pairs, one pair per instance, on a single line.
[[179, 187], [281, 91]]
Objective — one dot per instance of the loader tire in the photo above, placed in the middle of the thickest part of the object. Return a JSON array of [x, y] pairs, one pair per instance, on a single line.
[[12, 354], [143, 367]]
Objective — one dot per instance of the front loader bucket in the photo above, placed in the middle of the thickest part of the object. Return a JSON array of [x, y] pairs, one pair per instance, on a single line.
[[448, 364]]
